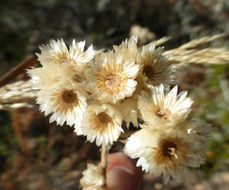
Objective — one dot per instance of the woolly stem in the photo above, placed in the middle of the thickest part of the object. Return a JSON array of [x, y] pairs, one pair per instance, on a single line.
[[104, 157]]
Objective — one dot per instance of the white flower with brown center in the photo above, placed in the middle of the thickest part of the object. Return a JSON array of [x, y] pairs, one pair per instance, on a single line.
[[65, 103], [155, 68], [111, 79], [164, 152], [57, 52], [163, 107], [101, 123]]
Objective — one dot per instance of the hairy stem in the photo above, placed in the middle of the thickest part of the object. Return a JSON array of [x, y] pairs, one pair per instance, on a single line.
[[103, 163]]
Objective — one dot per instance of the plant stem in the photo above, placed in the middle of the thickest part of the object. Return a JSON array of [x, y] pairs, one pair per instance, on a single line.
[[103, 163]]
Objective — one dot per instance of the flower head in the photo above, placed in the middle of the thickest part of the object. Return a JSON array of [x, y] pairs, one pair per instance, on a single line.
[[167, 152], [93, 177], [57, 52], [128, 49], [50, 75], [65, 102], [111, 79], [101, 123], [164, 108], [155, 68]]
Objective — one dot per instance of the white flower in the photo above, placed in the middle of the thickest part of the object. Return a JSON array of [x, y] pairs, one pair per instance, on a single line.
[[66, 104], [57, 52], [60, 64], [50, 75], [128, 49], [111, 79], [93, 177], [166, 152], [164, 108], [101, 123], [155, 68]]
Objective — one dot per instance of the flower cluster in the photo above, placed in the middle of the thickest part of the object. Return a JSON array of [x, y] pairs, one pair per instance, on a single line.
[[96, 91], [171, 143]]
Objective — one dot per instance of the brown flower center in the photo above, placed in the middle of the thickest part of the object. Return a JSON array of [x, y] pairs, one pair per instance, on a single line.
[[69, 96], [77, 78], [163, 113], [103, 123], [171, 152], [104, 118], [61, 57], [113, 80], [169, 149], [149, 71]]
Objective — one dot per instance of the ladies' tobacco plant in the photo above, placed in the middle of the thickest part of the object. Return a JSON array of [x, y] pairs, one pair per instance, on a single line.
[[96, 91]]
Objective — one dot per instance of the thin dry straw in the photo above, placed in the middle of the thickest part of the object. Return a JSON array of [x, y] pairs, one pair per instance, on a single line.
[[190, 53], [203, 56], [17, 95], [161, 41], [201, 41]]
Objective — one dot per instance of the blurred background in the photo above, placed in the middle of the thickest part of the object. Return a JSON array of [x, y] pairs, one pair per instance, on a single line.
[[37, 155]]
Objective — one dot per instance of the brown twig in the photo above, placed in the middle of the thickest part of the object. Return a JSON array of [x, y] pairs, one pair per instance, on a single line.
[[19, 69]]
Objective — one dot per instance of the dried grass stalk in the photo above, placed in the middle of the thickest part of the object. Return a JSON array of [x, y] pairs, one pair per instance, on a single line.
[[161, 41], [190, 53], [204, 56], [201, 41], [16, 95]]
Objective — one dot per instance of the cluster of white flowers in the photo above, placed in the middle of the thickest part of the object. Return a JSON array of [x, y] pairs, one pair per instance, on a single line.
[[96, 91]]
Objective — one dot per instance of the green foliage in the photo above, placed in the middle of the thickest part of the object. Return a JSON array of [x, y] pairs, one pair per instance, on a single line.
[[213, 108]]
